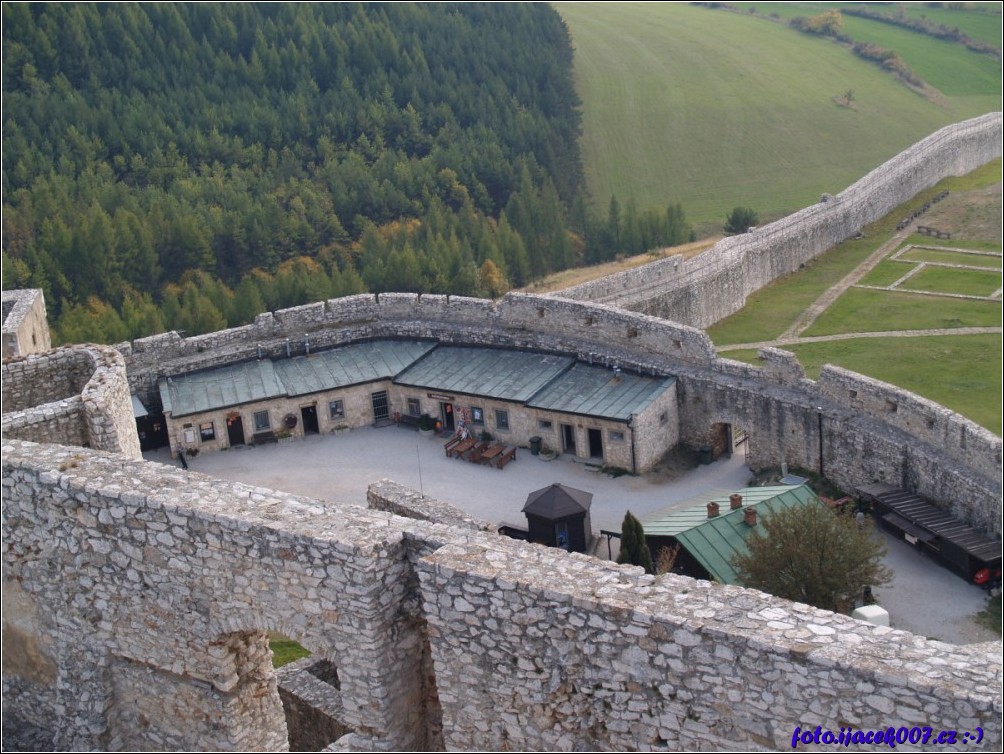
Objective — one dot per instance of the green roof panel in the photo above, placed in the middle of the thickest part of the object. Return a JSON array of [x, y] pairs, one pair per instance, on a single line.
[[598, 391], [489, 372]]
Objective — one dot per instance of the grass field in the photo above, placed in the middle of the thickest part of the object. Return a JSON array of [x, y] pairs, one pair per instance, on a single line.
[[953, 257], [716, 109], [962, 372]]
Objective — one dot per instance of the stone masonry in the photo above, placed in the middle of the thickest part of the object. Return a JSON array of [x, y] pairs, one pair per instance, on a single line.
[[137, 598]]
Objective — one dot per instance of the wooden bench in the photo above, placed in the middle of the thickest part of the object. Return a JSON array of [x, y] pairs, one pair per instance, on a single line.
[[407, 420], [508, 455], [263, 438], [451, 445]]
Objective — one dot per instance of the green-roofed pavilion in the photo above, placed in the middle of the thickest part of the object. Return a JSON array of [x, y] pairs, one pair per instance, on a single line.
[[709, 543]]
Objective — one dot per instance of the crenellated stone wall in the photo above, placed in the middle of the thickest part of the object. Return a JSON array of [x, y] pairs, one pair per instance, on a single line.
[[78, 395], [709, 287], [137, 598], [919, 445]]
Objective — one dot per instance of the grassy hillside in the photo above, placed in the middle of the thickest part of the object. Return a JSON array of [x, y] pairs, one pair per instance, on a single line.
[[717, 109]]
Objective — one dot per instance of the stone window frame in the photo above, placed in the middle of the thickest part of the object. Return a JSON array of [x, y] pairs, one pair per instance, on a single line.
[[615, 435], [545, 424], [502, 419], [336, 409], [414, 407], [207, 431], [262, 421], [477, 415]]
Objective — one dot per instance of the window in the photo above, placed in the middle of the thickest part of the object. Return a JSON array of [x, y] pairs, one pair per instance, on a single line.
[[545, 424], [414, 407], [616, 436], [261, 421], [336, 410], [664, 418], [477, 415], [501, 419], [207, 431]]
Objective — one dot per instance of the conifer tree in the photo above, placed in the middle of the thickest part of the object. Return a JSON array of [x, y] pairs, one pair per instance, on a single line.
[[634, 548]]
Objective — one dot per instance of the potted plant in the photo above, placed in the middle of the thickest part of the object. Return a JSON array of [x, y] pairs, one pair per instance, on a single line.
[[283, 436], [426, 424], [546, 454], [340, 429]]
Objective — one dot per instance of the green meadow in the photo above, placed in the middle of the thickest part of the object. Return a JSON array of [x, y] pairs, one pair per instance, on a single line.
[[718, 109], [962, 372]]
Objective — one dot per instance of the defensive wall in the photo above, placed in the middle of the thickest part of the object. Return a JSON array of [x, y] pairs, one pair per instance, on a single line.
[[137, 598], [25, 326], [710, 286], [858, 429], [77, 396]]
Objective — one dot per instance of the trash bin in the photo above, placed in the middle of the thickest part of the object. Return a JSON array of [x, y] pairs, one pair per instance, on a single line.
[[705, 455], [535, 443]]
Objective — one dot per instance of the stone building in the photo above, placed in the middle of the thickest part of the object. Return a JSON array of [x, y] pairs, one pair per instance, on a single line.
[[25, 326], [599, 414]]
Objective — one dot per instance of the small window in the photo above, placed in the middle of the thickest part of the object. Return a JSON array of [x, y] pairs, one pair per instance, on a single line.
[[414, 407], [545, 424], [477, 415], [207, 431], [501, 419], [261, 421], [336, 409], [616, 436], [664, 418]]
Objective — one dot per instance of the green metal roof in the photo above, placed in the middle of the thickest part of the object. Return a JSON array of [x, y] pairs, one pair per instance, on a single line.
[[253, 381], [489, 372], [598, 391], [349, 365], [219, 388], [714, 541]]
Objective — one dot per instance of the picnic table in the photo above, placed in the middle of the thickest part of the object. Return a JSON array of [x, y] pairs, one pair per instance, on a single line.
[[508, 455], [457, 448], [478, 452], [491, 452]]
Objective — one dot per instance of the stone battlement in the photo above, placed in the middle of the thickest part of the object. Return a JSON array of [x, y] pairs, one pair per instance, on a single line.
[[709, 287]]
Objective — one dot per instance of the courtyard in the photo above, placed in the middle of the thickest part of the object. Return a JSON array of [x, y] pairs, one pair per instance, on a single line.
[[924, 598]]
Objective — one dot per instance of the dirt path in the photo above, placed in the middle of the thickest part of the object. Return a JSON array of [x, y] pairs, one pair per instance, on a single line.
[[824, 302], [795, 340]]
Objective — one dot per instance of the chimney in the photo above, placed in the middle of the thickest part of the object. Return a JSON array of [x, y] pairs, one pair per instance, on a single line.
[[712, 510], [735, 501], [749, 515]]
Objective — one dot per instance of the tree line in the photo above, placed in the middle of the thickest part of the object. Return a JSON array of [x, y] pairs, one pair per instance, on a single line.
[[188, 165]]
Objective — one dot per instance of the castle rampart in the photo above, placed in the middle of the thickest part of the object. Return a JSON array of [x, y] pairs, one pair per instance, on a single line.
[[871, 431], [77, 395], [709, 287], [137, 597]]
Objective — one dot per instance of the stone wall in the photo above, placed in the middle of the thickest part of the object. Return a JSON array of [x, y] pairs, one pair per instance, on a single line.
[[709, 287], [145, 593], [77, 395], [25, 325], [137, 597], [920, 446]]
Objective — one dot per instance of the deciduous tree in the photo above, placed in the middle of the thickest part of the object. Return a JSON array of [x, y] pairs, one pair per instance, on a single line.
[[813, 555]]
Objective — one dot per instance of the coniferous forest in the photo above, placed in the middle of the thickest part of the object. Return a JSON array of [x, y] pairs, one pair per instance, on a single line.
[[187, 166]]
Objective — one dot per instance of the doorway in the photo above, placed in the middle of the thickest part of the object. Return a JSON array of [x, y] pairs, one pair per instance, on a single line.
[[309, 416], [446, 409], [596, 443], [568, 438], [235, 430], [381, 407]]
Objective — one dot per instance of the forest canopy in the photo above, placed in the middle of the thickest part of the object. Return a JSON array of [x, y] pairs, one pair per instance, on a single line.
[[188, 165]]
